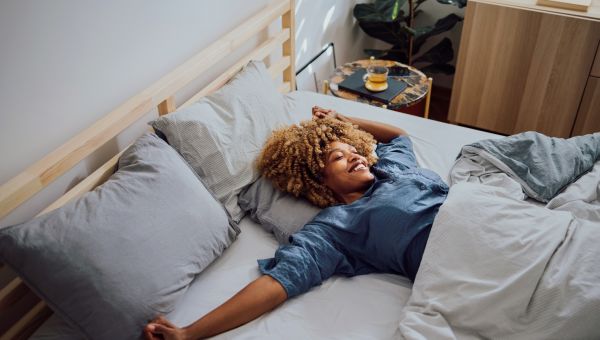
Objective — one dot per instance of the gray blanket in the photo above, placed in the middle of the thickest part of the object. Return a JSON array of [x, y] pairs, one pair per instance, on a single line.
[[500, 267], [542, 166]]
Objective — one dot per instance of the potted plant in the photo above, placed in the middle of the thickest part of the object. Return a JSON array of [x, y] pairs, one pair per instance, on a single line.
[[392, 21]]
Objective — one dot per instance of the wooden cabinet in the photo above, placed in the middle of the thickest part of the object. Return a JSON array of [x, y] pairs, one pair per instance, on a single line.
[[588, 116], [526, 68]]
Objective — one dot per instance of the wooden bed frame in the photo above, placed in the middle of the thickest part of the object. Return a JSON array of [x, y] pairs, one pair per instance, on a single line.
[[21, 312]]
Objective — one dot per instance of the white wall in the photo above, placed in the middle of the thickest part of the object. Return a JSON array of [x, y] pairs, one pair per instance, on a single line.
[[319, 22], [66, 63]]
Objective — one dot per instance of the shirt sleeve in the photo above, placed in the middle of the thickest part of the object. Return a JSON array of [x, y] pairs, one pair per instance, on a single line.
[[308, 260], [398, 153]]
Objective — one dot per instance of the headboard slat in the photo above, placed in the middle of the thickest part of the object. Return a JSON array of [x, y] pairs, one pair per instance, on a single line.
[[278, 67], [259, 53], [8, 289], [19, 189], [39, 311], [89, 183], [166, 106], [289, 47]]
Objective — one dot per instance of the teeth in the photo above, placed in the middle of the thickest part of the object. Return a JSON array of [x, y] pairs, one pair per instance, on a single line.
[[359, 167]]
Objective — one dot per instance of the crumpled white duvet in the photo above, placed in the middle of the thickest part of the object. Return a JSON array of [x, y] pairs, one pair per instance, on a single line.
[[496, 266]]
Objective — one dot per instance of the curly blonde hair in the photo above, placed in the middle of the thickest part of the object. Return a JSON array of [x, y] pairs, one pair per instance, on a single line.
[[293, 157]]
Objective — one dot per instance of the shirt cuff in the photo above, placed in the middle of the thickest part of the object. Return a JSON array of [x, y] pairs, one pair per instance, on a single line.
[[267, 267]]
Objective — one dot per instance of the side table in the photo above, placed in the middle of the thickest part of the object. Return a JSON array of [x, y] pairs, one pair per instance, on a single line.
[[418, 86]]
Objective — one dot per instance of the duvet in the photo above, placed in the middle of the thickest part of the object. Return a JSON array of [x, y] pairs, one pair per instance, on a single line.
[[498, 265]]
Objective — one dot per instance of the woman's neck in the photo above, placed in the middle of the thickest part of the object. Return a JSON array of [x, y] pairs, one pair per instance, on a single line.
[[351, 197]]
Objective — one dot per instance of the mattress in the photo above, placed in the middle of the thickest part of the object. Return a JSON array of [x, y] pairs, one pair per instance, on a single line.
[[362, 307]]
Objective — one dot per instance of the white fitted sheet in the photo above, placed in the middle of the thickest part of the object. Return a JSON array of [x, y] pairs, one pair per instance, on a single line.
[[362, 307]]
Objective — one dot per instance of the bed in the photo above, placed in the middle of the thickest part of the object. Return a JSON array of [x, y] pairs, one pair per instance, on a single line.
[[363, 307]]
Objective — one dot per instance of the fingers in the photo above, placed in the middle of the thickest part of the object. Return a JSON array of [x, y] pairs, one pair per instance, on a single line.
[[320, 109], [163, 321], [160, 325], [319, 112], [148, 333], [156, 328]]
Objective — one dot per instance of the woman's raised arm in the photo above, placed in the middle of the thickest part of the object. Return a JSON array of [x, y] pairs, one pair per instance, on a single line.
[[382, 132]]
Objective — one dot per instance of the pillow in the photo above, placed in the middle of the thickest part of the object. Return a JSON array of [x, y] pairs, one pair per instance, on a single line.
[[277, 212], [221, 135], [126, 251]]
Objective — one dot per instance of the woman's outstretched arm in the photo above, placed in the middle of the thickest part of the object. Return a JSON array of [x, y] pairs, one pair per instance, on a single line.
[[382, 132], [257, 298]]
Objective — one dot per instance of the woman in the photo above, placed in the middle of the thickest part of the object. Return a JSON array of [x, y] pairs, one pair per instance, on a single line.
[[377, 219]]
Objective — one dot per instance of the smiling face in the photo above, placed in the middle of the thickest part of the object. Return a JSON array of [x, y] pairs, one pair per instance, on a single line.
[[346, 172]]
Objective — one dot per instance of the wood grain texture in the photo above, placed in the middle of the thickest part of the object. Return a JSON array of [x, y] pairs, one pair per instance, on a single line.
[[593, 12], [588, 117], [289, 47], [521, 70], [166, 106], [596, 67], [575, 5]]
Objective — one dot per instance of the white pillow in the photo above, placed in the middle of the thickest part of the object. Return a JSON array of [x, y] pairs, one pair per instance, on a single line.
[[221, 135]]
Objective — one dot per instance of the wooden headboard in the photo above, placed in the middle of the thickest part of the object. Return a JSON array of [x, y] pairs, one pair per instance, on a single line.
[[21, 312]]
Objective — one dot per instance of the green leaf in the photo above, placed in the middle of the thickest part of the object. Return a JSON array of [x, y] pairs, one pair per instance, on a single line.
[[380, 10], [387, 31], [439, 54], [409, 30], [442, 25], [398, 53], [395, 10], [418, 31]]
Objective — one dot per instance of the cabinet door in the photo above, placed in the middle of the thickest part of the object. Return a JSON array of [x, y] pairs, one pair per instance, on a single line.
[[521, 70], [588, 117]]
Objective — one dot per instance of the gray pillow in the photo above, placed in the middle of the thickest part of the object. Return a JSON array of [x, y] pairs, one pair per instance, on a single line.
[[221, 135], [277, 212], [126, 251]]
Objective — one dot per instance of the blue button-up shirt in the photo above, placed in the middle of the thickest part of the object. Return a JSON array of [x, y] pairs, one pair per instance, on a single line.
[[383, 231]]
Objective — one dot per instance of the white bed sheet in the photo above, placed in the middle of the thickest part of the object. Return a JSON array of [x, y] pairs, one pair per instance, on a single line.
[[362, 307]]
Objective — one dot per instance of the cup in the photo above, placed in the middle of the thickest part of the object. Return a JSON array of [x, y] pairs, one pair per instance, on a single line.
[[376, 78]]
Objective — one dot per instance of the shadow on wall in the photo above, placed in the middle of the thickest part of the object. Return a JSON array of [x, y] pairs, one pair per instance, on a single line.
[[319, 23]]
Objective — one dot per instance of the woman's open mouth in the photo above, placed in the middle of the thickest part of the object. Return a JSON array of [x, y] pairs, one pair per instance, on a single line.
[[359, 166]]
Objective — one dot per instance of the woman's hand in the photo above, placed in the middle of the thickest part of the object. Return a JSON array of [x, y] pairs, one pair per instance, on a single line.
[[161, 328], [382, 132], [319, 113]]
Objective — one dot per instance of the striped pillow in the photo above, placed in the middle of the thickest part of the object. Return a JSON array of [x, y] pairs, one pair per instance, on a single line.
[[221, 135]]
